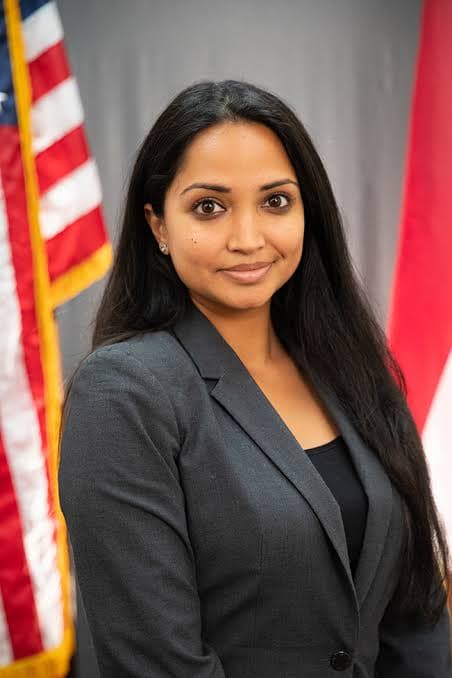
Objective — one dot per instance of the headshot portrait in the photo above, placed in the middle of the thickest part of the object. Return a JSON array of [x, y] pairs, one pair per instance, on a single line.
[[226, 339]]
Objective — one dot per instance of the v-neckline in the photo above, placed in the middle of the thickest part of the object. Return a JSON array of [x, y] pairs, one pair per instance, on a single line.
[[325, 447], [276, 411], [241, 396]]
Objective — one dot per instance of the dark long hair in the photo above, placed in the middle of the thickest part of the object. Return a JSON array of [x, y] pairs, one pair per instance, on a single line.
[[321, 314]]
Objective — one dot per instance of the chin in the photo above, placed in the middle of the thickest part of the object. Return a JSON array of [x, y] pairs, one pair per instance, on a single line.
[[240, 299], [244, 301]]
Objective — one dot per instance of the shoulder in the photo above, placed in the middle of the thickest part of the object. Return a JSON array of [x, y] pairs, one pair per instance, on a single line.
[[151, 370], [119, 419], [158, 355]]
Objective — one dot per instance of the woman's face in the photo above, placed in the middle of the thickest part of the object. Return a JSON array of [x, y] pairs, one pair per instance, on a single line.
[[235, 218]]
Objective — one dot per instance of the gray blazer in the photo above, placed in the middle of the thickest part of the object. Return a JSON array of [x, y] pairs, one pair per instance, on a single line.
[[205, 542]]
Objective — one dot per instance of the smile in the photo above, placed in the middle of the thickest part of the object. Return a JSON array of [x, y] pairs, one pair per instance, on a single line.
[[247, 276]]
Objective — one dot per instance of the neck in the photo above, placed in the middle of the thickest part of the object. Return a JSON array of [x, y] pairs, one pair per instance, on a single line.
[[249, 332]]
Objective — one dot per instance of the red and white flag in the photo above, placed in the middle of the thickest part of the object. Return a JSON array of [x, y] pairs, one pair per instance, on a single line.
[[420, 322], [53, 244]]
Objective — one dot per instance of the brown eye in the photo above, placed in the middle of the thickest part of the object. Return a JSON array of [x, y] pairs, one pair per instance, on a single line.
[[205, 203], [276, 198]]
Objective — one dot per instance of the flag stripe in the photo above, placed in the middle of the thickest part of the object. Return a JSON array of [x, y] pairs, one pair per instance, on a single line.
[[79, 277], [41, 29], [56, 114], [6, 652], [23, 415], [420, 319], [72, 197], [436, 438], [61, 158], [10, 347], [48, 70], [27, 445], [17, 594], [57, 622], [15, 207], [40, 121], [421, 315], [75, 244]]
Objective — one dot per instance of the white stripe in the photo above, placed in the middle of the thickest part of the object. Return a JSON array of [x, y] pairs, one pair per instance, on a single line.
[[41, 30], [72, 197], [55, 114], [26, 458], [437, 437], [6, 650]]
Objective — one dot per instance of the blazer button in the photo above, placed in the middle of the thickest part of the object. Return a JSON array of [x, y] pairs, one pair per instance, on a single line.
[[341, 660]]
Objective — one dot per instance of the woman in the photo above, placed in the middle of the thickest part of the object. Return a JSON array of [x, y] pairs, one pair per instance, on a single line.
[[244, 487]]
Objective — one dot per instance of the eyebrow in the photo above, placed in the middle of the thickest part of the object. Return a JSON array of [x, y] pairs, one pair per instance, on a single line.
[[226, 189]]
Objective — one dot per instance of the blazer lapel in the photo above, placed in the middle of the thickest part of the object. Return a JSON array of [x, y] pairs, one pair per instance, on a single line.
[[378, 489], [241, 396]]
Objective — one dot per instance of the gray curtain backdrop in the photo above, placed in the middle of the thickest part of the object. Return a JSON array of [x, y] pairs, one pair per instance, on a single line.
[[346, 66]]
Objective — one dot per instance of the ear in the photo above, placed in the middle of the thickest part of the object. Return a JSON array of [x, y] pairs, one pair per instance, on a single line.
[[156, 224]]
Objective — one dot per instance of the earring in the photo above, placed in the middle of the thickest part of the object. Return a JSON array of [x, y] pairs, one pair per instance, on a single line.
[[163, 247]]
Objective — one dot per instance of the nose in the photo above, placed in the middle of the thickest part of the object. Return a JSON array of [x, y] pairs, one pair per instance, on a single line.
[[246, 232]]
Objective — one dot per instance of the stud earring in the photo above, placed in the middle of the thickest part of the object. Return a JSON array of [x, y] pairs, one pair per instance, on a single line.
[[163, 247]]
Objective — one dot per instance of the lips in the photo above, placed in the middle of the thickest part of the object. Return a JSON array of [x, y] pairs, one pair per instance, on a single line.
[[248, 275], [248, 267]]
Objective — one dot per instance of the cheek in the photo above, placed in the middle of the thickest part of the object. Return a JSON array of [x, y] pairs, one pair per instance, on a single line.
[[290, 240], [184, 240], [200, 247], [194, 250]]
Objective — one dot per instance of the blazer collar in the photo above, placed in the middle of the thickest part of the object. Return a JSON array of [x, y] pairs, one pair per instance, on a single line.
[[241, 396]]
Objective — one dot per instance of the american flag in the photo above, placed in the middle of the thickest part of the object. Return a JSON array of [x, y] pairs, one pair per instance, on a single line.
[[53, 244]]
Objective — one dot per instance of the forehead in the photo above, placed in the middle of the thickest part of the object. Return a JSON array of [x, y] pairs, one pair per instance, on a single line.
[[235, 151]]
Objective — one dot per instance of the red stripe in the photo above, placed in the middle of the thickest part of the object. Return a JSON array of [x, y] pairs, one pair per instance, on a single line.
[[11, 171], [15, 583], [420, 326], [48, 70], [61, 158], [23, 626], [76, 242]]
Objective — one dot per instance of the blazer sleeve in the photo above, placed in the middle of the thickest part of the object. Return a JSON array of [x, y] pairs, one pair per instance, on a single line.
[[124, 508], [409, 648]]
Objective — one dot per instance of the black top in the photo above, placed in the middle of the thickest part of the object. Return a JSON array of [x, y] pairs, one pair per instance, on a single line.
[[332, 460]]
